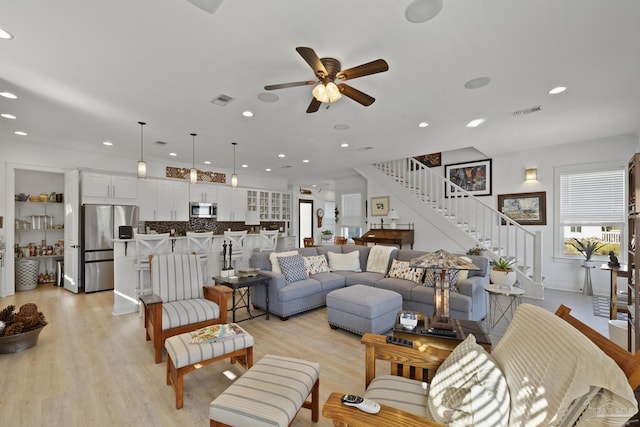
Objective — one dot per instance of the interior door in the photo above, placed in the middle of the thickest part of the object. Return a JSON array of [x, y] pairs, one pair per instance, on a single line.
[[71, 230], [305, 220]]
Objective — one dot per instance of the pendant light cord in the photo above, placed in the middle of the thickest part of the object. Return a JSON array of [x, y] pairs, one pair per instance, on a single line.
[[141, 140], [193, 151]]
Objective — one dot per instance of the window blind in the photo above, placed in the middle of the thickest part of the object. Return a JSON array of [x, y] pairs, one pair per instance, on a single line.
[[351, 210], [592, 197]]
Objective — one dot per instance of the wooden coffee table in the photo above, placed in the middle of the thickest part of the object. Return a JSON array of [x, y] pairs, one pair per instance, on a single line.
[[463, 329], [245, 282]]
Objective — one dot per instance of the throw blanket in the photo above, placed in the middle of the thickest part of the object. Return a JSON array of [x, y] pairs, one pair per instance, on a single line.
[[378, 260], [550, 365]]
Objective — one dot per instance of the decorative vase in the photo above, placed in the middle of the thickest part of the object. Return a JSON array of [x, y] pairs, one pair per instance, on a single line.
[[19, 342], [502, 278]]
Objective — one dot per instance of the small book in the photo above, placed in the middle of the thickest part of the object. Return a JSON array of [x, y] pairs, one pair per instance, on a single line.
[[216, 333]]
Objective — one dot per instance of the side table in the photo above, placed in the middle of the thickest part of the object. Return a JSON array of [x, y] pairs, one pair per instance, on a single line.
[[498, 310], [244, 282], [620, 271]]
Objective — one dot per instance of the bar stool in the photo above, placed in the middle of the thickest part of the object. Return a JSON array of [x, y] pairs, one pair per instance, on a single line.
[[148, 245], [236, 239], [268, 240], [200, 244]]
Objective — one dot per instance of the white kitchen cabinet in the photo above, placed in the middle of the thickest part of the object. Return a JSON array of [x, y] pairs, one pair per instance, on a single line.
[[275, 206], [263, 205], [172, 201], [203, 193], [97, 187], [146, 199], [286, 207], [252, 200], [232, 204]]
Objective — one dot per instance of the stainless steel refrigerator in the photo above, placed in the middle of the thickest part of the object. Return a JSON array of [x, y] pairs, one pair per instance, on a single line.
[[100, 225]]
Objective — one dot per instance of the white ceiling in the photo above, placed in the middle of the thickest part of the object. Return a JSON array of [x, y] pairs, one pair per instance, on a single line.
[[87, 71]]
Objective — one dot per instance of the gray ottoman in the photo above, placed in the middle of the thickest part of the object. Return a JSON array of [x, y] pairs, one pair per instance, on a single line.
[[361, 309]]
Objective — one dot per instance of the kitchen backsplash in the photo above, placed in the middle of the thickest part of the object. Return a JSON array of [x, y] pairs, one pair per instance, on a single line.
[[203, 224]]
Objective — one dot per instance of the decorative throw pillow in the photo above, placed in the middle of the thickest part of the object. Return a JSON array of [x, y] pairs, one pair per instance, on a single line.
[[273, 257], [401, 270], [293, 268], [469, 389], [316, 264], [344, 262]]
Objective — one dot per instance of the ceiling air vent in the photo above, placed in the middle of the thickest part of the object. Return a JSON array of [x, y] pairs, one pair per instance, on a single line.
[[222, 100], [526, 111], [161, 142], [365, 148]]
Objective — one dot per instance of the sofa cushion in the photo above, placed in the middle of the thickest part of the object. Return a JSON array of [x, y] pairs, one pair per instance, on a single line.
[[344, 262], [378, 261], [401, 270], [293, 268], [316, 264], [401, 393], [308, 251], [329, 280], [363, 250], [299, 289], [273, 257], [469, 389], [457, 302], [186, 312], [401, 286], [365, 278]]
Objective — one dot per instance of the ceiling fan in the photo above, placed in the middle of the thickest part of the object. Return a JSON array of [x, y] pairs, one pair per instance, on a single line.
[[327, 71]]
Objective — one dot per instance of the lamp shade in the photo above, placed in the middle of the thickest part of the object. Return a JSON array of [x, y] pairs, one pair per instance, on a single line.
[[442, 260], [393, 214]]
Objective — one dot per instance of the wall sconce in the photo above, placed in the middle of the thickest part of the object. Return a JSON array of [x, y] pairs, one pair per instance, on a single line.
[[531, 174]]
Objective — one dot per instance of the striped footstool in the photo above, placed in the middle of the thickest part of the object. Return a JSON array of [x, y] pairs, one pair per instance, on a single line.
[[269, 394], [184, 357]]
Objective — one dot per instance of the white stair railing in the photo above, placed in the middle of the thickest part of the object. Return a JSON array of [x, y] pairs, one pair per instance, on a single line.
[[500, 235]]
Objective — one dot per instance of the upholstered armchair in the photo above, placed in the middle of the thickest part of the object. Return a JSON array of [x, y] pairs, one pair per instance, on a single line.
[[180, 303]]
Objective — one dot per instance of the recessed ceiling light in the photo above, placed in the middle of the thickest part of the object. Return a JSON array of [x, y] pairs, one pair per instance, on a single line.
[[21, 133], [6, 35], [247, 113], [477, 83], [173, 154], [305, 161], [245, 166], [8, 116], [107, 143], [556, 90], [475, 123], [423, 124], [268, 170], [207, 162], [344, 145], [341, 127], [281, 155], [313, 185], [8, 95], [422, 10]]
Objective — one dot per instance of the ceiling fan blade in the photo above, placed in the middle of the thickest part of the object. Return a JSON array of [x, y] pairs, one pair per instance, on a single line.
[[292, 84], [373, 67], [356, 95], [314, 62], [313, 106]]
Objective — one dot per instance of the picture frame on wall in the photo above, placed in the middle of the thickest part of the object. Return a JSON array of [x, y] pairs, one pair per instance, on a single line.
[[524, 208], [473, 177], [380, 206]]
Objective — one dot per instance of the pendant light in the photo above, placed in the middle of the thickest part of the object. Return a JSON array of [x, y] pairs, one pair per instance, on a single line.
[[193, 175], [234, 176], [142, 165]]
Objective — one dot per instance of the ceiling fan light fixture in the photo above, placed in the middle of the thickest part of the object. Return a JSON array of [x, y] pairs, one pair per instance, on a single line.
[[326, 93], [333, 92]]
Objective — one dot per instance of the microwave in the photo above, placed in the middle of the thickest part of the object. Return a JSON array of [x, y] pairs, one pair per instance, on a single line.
[[203, 210]]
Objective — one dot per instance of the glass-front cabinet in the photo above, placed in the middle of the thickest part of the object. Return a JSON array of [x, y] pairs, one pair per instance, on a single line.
[[276, 206], [286, 207]]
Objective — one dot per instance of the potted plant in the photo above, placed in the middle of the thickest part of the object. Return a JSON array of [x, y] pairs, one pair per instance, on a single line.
[[477, 250], [502, 272], [587, 247], [326, 235]]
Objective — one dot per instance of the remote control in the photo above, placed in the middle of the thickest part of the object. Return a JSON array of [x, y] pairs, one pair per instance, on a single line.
[[439, 332], [399, 341], [361, 403]]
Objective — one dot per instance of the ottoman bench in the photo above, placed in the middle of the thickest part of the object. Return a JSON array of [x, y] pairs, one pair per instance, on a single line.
[[269, 394], [361, 309], [183, 356]]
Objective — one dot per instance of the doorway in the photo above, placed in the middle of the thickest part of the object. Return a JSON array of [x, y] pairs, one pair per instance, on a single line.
[[305, 220]]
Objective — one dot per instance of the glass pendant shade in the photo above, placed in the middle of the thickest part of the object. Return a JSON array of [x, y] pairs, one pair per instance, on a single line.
[[234, 180], [326, 93], [193, 174], [142, 165], [234, 176]]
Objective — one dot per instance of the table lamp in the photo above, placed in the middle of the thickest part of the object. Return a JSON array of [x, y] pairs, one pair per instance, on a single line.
[[393, 216], [252, 218], [446, 266]]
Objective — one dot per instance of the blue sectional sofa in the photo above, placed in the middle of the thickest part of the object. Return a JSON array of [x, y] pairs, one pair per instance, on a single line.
[[286, 299]]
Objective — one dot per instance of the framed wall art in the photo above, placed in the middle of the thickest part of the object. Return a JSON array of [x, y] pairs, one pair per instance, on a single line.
[[474, 177], [380, 206], [524, 208]]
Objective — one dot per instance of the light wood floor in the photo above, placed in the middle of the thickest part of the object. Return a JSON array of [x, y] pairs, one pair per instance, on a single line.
[[90, 368]]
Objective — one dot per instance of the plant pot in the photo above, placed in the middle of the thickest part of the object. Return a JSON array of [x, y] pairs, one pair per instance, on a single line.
[[502, 278], [589, 264], [326, 237], [19, 342]]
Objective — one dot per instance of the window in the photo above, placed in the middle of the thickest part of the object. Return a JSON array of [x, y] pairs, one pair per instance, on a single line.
[[591, 206]]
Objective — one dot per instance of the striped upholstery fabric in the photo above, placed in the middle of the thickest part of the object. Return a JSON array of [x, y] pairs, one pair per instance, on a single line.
[[183, 353], [399, 392], [178, 280], [269, 394]]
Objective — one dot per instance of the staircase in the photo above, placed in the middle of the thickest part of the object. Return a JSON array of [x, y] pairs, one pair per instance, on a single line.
[[465, 218]]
